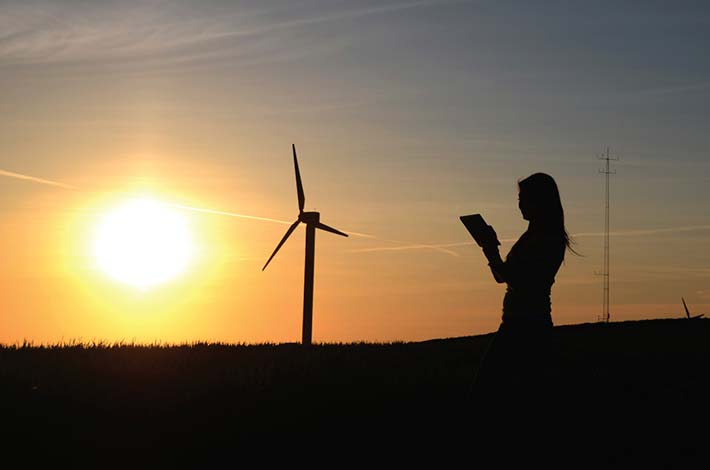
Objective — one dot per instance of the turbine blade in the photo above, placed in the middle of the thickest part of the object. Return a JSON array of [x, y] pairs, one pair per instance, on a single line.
[[323, 226], [283, 240], [299, 184], [687, 312]]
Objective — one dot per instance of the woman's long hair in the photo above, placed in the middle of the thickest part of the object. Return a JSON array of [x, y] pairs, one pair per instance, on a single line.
[[541, 190]]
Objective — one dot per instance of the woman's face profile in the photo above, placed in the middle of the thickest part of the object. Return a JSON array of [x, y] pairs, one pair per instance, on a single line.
[[524, 205]]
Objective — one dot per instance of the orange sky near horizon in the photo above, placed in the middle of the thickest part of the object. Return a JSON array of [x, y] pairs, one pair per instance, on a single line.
[[367, 288]]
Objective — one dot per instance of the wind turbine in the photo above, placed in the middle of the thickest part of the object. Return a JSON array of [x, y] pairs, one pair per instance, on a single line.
[[687, 312], [312, 221]]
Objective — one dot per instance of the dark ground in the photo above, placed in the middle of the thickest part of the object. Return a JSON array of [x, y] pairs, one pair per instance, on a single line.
[[624, 393]]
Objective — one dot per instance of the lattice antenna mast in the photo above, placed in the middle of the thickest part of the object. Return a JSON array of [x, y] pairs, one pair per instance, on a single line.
[[606, 276]]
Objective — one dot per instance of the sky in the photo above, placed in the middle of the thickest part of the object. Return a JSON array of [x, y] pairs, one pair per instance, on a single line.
[[405, 114]]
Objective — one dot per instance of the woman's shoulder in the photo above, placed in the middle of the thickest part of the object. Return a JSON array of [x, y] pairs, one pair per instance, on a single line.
[[551, 241], [536, 241]]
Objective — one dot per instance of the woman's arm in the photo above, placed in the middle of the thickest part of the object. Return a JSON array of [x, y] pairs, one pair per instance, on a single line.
[[489, 242], [496, 263]]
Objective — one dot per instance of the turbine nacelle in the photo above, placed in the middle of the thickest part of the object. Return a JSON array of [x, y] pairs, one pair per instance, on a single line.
[[309, 217]]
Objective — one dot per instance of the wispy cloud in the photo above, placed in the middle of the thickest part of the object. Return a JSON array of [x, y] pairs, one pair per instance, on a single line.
[[441, 247], [348, 14], [399, 245], [228, 214], [696, 271], [412, 246], [59, 184], [61, 32], [651, 231], [56, 32], [34, 179], [703, 294], [446, 247], [252, 217], [673, 89]]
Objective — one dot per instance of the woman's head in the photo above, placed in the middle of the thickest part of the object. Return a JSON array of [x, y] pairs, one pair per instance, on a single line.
[[539, 199], [540, 203]]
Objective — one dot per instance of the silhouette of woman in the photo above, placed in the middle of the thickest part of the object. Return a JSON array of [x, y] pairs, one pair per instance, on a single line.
[[516, 361]]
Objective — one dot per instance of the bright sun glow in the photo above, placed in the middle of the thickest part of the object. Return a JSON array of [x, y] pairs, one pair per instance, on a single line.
[[143, 243]]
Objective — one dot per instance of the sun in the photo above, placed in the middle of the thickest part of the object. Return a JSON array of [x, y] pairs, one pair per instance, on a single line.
[[143, 243]]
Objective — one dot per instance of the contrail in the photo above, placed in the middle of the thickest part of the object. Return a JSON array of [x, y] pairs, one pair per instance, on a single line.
[[443, 247], [228, 214], [19, 176], [252, 217], [58, 184], [362, 235], [652, 231]]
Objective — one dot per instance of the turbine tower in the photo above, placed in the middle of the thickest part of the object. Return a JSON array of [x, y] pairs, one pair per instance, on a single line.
[[312, 221]]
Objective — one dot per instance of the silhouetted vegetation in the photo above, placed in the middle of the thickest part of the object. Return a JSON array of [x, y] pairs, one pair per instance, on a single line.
[[217, 396]]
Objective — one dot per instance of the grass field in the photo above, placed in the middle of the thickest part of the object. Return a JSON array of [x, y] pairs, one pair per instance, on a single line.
[[633, 379]]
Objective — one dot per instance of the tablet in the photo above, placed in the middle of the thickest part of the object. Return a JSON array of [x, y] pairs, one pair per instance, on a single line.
[[475, 225]]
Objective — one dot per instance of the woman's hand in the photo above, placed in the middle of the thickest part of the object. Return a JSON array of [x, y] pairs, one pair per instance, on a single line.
[[489, 238]]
